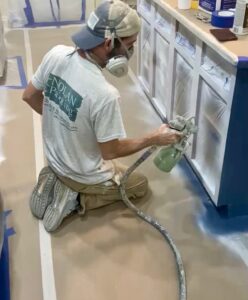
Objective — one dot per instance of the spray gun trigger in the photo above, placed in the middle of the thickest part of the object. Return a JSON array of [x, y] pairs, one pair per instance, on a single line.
[[172, 126], [178, 124]]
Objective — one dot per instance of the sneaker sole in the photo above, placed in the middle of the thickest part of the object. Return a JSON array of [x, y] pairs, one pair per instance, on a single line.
[[39, 201], [53, 217]]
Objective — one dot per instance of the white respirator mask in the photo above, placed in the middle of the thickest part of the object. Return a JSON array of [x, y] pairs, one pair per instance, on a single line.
[[118, 65]]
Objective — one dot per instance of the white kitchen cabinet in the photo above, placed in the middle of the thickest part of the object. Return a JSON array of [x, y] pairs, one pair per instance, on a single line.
[[184, 70]]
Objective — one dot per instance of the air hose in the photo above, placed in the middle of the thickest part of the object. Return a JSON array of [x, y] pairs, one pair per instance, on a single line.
[[154, 222]]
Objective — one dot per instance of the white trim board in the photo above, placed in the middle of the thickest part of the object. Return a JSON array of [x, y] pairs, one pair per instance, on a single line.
[[48, 280]]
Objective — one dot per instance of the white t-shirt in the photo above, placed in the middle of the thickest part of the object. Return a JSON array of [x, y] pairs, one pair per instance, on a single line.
[[80, 109]]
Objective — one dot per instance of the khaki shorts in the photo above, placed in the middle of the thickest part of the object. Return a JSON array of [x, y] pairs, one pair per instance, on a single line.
[[99, 195]]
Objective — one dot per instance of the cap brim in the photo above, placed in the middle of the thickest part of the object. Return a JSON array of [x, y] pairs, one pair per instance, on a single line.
[[85, 39]]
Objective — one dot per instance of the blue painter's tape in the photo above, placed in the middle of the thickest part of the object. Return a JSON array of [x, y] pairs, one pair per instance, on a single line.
[[22, 76], [243, 62], [53, 24], [29, 12], [10, 231], [21, 72], [4, 261], [83, 11], [222, 19], [4, 271], [6, 213]]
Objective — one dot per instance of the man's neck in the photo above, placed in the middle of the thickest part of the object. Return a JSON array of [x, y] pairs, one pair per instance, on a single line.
[[89, 55]]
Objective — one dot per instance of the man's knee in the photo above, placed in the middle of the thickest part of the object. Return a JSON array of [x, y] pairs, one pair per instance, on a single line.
[[137, 187]]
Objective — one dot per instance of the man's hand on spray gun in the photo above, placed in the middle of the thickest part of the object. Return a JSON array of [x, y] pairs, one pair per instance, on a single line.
[[178, 132], [187, 127], [165, 135]]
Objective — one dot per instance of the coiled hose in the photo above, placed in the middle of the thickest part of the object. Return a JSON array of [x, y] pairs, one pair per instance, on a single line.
[[154, 223]]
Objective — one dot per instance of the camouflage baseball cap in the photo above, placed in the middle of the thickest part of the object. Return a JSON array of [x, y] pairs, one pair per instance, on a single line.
[[110, 18]]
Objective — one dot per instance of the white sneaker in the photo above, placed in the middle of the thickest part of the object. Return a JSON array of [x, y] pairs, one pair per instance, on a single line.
[[63, 204], [42, 194]]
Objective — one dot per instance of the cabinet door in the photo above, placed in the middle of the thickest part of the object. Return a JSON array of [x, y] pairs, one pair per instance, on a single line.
[[145, 48], [161, 74], [145, 5], [182, 88], [211, 137]]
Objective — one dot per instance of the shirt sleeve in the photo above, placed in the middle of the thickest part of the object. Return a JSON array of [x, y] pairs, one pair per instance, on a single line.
[[108, 124], [40, 76]]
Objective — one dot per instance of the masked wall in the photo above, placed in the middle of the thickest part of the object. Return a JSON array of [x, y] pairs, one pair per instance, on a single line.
[[2, 49], [47, 12], [34, 13]]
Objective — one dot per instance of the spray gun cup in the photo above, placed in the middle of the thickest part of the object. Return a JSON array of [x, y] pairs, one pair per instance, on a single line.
[[167, 158]]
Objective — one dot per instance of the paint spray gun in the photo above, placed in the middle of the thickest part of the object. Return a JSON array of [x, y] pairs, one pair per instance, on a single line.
[[169, 156]]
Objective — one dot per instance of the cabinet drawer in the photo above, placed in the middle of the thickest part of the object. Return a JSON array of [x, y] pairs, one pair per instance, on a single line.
[[163, 23], [186, 43], [219, 73], [145, 9]]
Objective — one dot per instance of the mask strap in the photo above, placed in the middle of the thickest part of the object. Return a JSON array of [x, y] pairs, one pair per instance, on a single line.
[[113, 35], [124, 46]]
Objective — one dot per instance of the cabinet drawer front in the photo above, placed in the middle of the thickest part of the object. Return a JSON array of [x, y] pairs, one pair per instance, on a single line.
[[219, 73], [145, 9], [186, 42], [163, 22]]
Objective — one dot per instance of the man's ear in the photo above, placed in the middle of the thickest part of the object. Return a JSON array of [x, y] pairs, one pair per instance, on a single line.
[[108, 45]]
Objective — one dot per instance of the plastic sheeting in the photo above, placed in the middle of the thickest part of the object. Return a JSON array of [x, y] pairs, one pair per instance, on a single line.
[[163, 21], [2, 49], [183, 87], [217, 72], [186, 40], [161, 73], [145, 53], [182, 91], [146, 5], [37, 13], [212, 113], [213, 118]]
